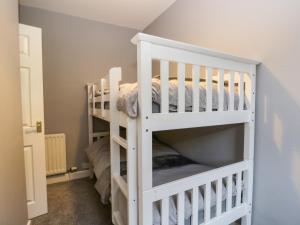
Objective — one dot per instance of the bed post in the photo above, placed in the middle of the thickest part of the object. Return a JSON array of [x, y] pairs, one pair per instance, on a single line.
[[102, 90], [90, 123], [90, 117], [249, 131], [144, 68], [132, 209], [114, 79]]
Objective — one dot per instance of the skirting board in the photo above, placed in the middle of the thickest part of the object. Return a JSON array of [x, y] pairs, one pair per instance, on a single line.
[[68, 177]]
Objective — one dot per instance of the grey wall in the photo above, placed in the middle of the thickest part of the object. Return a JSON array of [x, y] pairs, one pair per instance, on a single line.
[[214, 146], [77, 51], [13, 210], [268, 31]]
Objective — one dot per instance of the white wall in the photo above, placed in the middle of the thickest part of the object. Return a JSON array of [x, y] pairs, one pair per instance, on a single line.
[[13, 209], [269, 31]]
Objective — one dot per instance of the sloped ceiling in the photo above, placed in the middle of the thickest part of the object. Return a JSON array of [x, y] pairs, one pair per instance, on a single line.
[[135, 14]]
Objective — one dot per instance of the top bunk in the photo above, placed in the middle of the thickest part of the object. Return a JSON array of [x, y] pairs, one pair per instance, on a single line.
[[178, 86], [98, 99]]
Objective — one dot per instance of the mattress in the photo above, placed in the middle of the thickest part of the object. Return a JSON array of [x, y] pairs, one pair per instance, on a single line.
[[128, 97]]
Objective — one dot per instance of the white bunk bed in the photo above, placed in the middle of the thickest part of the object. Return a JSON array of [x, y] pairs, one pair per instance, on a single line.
[[138, 189]]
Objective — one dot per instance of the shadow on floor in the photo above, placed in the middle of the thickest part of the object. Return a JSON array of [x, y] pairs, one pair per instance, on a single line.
[[74, 203]]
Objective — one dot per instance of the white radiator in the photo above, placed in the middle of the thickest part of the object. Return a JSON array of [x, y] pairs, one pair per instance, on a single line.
[[55, 154]]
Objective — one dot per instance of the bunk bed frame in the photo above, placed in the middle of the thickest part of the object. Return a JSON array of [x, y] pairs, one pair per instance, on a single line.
[[138, 189]]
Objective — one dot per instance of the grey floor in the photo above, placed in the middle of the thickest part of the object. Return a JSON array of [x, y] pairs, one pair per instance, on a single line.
[[74, 203]]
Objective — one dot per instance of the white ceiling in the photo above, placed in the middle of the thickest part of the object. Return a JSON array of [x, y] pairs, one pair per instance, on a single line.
[[135, 14]]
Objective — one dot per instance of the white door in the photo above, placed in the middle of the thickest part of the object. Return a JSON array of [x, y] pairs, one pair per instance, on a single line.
[[31, 73]]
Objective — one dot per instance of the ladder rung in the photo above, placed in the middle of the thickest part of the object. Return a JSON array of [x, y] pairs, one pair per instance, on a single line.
[[100, 134], [122, 184], [118, 218], [97, 99], [121, 141]]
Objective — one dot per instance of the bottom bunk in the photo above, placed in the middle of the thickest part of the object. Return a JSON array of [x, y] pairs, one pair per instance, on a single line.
[[163, 176], [165, 160], [174, 179]]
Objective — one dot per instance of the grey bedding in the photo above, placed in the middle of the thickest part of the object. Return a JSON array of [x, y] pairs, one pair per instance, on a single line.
[[171, 174], [168, 166], [168, 175], [99, 156], [128, 97]]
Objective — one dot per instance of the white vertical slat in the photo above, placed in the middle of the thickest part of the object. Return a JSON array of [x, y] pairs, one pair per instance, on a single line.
[[207, 205], [90, 117], [165, 211], [144, 75], [196, 86], [105, 96], [180, 208], [93, 98], [209, 89], [249, 91], [195, 203], [249, 127], [219, 197], [249, 132], [241, 91], [181, 87], [221, 90], [231, 91], [132, 172], [238, 188], [164, 86], [102, 81], [114, 79], [229, 193]]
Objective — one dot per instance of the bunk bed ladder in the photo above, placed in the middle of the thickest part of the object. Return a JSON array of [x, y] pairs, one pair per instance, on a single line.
[[118, 184]]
